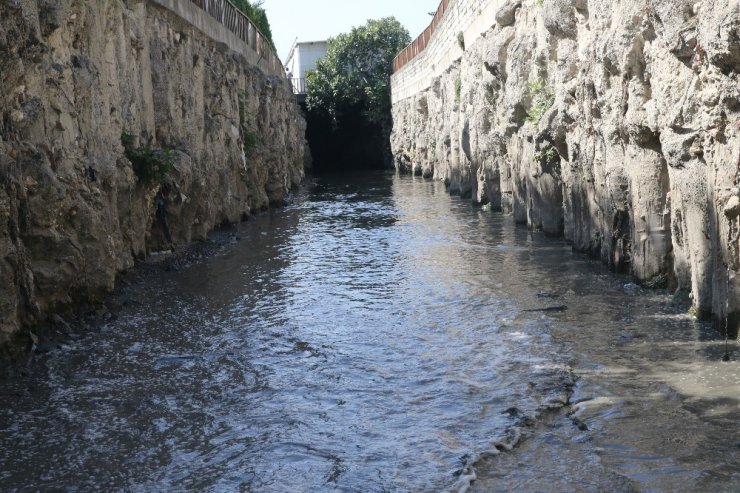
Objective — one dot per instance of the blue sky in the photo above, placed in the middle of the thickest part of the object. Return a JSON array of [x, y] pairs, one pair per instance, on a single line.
[[312, 20]]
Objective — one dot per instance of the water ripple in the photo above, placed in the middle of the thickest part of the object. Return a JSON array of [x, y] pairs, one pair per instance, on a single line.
[[373, 336]]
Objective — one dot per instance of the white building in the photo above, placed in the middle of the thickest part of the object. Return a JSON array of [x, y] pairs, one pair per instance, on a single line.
[[301, 60]]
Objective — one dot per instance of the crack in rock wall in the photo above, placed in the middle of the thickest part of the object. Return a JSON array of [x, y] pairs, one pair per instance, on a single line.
[[74, 76], [615, 124]]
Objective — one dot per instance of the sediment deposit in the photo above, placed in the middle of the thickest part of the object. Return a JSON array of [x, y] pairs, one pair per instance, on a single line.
[[74, 77], [615, 124]]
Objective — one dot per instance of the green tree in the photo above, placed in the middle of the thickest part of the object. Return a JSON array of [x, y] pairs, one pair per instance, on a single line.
[[354, 78], [257, 15]]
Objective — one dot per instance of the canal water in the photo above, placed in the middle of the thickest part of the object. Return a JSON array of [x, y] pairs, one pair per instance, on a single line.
[[379, 335]]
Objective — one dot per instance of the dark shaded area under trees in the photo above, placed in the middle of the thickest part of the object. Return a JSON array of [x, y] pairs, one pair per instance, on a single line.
[[348, 102]]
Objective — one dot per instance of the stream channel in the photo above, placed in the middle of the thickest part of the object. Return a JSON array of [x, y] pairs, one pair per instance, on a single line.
[[379, 335]]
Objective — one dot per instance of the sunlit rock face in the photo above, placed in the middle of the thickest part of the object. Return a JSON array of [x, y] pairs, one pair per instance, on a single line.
[[614, 124], [74, 77]]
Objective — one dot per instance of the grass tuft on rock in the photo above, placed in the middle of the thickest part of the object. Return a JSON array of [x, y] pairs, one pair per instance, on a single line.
[[151, 164], [542, 100]]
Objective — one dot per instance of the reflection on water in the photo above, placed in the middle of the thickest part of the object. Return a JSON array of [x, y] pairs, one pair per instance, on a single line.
[[378, 335]]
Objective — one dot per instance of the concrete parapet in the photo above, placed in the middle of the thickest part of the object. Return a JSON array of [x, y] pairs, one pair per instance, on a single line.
[[471, 18]]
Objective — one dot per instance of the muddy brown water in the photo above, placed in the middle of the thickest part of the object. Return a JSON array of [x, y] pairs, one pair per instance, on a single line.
[[379, 335]]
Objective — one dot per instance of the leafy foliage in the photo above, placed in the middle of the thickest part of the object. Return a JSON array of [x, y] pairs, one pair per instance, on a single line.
[[256, 14], [461, 40], [549, 160], [548, 155], [458, 91], [349, 97], [542, 100], [151, 164], [355, 74]]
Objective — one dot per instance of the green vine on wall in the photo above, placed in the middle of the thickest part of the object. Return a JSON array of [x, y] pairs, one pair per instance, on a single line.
[[548, 155], [549, 160], [542, 100], [151, 164]]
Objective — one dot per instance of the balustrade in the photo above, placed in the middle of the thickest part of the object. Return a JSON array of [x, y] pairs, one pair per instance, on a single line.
[[418, 45], [237, 22]]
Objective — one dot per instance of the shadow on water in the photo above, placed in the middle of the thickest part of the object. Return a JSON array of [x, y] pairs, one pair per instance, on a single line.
[[378, 335]]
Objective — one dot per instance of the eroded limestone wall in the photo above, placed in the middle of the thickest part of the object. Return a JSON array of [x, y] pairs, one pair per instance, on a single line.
[[615, 124], [74, 76]]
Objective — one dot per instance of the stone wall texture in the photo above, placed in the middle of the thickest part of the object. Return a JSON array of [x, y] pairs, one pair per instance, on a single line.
[[74, 76], [615, 124]]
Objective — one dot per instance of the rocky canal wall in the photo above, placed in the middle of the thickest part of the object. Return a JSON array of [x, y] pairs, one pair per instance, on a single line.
[[75, 76], [615, 124]]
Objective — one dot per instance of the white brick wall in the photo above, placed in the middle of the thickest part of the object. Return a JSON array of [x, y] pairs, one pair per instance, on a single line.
[[472, 18]]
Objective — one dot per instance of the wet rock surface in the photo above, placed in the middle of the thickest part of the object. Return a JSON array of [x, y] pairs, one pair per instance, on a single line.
[[68, 326], [613, 124], [76, 76]]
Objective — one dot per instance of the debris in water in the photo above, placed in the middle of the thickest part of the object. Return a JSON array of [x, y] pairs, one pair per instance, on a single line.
[[631, 287]]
